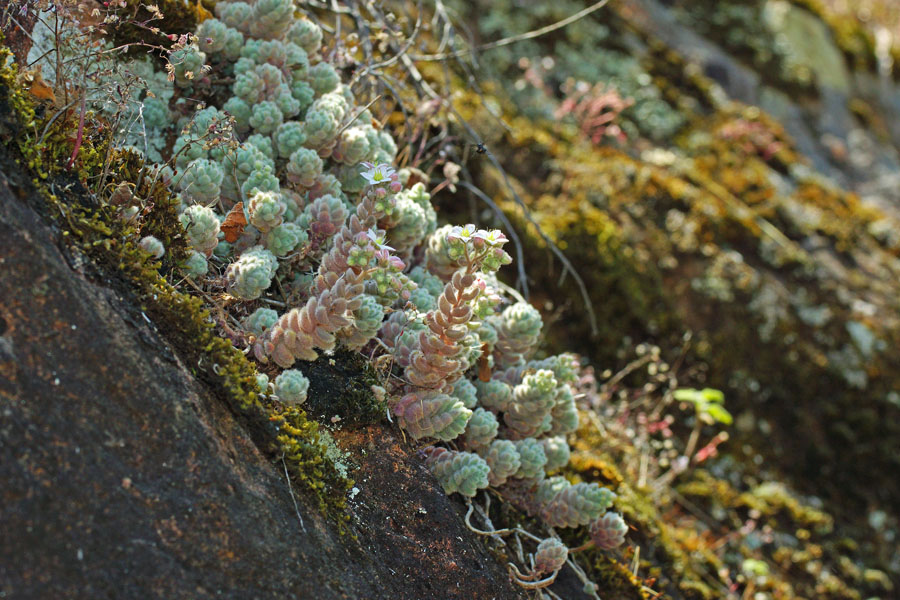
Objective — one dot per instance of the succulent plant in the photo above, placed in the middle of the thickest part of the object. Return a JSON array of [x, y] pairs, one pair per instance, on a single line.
[[195, 265], [271, 18], [289, 138], [262, 383], [550, 556], [283, 239], [528, 413], [306, 34], [187, 64], [304, 166], [291, 386], [323, 78], [211, 35], [367, 321], [261, 179], [266, 117], [251, 274], [353, 146], [608, 532], [518, 329], [494, 394], [414, 220], [153, 246], [266, 210], [233, 14], [432, 414], [577, 504], [202, 227], [201, 180], [548, 488], [156, 113], [465, 390], [557, 451], [564, 412], [260, 320], [481, 429], [240, 110], [461, 472], [426, 281], [503, 459], [532, 457], [422, 300]]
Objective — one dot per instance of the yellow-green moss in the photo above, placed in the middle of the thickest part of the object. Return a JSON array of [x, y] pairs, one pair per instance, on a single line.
[[769, 500], [616, 580]]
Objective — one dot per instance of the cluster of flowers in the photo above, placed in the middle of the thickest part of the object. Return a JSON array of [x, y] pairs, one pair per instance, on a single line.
[[307, 204]]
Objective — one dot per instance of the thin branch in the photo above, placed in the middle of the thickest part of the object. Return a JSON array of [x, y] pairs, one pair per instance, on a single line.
[[291, 490], [520, 255], [350, 122], [402, 52], [516, 38]]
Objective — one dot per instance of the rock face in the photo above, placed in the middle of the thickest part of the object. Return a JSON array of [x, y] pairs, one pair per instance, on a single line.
[[124, 477]]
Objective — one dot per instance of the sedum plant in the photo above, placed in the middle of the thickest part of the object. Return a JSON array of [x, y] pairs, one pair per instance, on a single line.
[[291, 386], [195, 265], [461, 472], [288, 197], [608, 532], [260, 320], [432, 414], [574, 505], [251, 274], [153, 246], [528, 412], [503, 459], [550, 556]]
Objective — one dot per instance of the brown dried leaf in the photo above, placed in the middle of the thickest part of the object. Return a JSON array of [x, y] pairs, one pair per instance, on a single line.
[[234, 223]]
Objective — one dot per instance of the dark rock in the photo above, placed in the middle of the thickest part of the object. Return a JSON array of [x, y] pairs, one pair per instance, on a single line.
[[717, 72]]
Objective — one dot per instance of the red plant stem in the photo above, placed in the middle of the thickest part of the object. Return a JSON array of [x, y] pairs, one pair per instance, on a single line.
[[80, 135]]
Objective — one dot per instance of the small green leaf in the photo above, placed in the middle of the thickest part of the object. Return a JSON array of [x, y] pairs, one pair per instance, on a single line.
[[687, 395], [712, 395], [718, 412]]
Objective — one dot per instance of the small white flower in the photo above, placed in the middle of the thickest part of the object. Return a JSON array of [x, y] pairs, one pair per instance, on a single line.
[[493, 237], [465, 233], [379, 241], [377, 174]]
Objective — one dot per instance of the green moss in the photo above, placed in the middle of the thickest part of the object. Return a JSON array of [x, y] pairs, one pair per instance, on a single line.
[[616, 580], [771, 501], [45, 137], [689, 541], [681, 83]]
